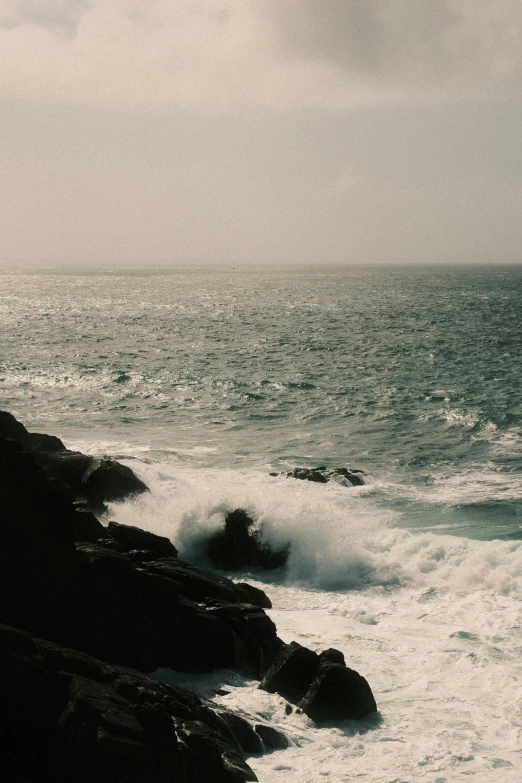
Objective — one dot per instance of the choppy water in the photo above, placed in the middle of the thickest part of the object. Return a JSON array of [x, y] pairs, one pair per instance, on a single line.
[[206, 380]]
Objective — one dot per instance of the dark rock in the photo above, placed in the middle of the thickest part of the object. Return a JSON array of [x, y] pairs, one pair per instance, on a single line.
[[86, 527], [322, 474], [255, 633], [292, 672], [38, 441], [246, 736], [288, 709], [11, 427], [197, 583], [127, 538], [241, 545], [273, 739], [322, 685], [141, 612], [98, 481], [253, 595], [41, 585], [332, 655], [108, 723], [106, 481], [338, 693], [308, 474]]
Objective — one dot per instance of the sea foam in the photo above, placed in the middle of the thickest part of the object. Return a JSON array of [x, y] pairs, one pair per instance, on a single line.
[[340, 539]]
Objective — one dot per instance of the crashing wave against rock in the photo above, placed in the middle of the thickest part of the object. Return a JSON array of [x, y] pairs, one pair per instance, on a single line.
[[83, 600]]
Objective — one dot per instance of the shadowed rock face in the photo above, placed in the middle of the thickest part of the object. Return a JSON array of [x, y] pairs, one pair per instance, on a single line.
[[118, 593], [96, 481], [122, 595], [241, 545], [74, 718], [322, 685]]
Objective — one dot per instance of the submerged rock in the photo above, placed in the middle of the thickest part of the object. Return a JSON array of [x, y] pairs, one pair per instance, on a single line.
[[241, 545], [322, 474]]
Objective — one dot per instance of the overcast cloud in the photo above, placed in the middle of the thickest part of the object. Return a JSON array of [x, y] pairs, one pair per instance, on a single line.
[[370, 130]]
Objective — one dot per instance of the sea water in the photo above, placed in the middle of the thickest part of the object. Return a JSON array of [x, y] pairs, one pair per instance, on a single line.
[[207, 380]]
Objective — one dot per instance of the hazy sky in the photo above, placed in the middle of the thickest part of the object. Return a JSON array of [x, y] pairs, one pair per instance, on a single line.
[[361, 131]]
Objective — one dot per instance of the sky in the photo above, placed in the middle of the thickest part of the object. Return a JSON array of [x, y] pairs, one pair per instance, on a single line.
[[260, 131]]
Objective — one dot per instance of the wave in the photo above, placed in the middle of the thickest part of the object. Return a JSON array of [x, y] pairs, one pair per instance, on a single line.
[[340, 539]]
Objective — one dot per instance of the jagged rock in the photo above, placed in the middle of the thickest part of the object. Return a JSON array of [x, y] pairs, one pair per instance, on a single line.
[[323, 686], [135, 608], [98, 481], [127, 538], [338, 693], [272, 738], [72, 717], [322, 474], [255, 632], [253, 595], [241, 545], [86, 526], [245, 734], [105, 481], [291, 672]]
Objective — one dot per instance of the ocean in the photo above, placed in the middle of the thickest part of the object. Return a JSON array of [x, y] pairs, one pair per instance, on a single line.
[[207, 380]]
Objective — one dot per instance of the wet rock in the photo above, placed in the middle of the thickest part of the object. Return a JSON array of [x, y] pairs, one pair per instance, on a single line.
[[253, 595], [245, 734], [291, 672], [241, 545], [136, 608], [108, 723], [323, 686], [332, 655], [322, 474], [255, 634], [106, 481], [338, 693], [127, 538], [86, 526], [98, 481], [272, 738]]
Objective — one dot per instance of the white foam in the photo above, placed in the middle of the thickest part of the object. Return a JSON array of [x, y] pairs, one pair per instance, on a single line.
[[338, 538], [327, 525], [433, 624]]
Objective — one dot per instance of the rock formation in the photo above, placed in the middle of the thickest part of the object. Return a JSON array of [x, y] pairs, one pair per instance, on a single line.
[[322, 474], [240, 544], [80, 601]]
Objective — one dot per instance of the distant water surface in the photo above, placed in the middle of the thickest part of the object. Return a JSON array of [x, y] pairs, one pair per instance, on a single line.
[[411, 374], [206, 381]]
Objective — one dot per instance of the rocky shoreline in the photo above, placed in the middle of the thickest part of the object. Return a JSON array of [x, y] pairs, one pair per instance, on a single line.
[[87, 610]]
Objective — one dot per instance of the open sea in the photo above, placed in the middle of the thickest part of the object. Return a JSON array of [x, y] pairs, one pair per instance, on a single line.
[[204, 381]]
